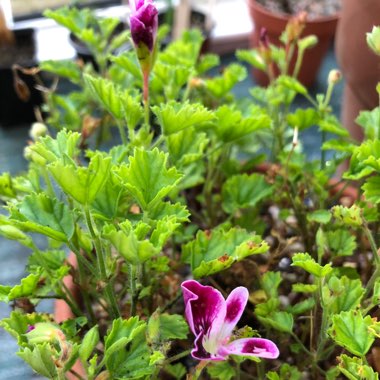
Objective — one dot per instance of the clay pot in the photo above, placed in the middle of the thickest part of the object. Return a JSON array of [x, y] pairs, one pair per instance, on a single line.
[[359, 65], [275, 23]]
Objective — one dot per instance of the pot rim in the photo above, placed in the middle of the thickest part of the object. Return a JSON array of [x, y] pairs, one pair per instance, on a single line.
[[256, 6]]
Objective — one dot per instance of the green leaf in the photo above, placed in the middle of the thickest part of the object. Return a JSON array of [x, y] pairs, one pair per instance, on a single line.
[[164, 327], [221, 370], [319, 216], [270, 281], [291, 84], [352, 331], [252, 57], [128, 61], [350, 216], [222, 85], [106, 93], [243, 191], [126, 352], [354, 367], [174, 116], [64, 147], [135, 249], [370, 121], [217, 250], [207, 62], [303, 118], [64, 68], [89, 342], [342, 294], [371, 189], [26, 288], [306, 262], [178, 370], [82, 183], [231, 125], [165, 209], [333, 126], [6, 186], [148, 178], [133, 111], [287, 372], [301, 307], [45, 215], [163, 231], [40, 359], [304, 288], [278, 320], [341, 242]]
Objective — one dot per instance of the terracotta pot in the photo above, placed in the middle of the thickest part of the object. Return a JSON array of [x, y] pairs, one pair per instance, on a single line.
[[275, 23], [360, 66], [62, 312]]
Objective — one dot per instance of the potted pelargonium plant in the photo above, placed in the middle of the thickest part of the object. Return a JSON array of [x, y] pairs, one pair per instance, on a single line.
[[175, 234]]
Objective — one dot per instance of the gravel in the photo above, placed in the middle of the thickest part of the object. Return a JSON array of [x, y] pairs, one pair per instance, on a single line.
[[314, 8]]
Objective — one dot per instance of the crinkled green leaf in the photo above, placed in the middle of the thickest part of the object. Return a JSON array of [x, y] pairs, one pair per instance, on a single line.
[[371, 189], [207, 62], [243, 190], [301, 307], [64, 147], [164, 229], [26, 288], [278, 320], [40, 359], [178, 370], [304, 288], [341, 242], [186, 146], [370, 121], [342, 294], [291, 84], [45, 215], [127, 243], [6, 186], [82, 183], [220, 86], [319, 216], [303, 118], [126, 352], [166, 209], [352, 367], [217, 250], [174, 116], [128, 61], [107, 94], [306, 262], [287, 372], [333, 126], [231, 125], [133, 111], [148, 179], [89, 342], [164, 327], [221, 370], [252, 57], [350, 216], [270, 281], [66, 68], [352, 331]]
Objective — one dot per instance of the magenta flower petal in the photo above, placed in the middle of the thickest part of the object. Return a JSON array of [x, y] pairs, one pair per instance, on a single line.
[[236, 302], [262, 348], [144, 23]]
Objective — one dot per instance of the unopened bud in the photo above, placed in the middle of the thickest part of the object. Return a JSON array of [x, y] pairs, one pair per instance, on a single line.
[[373, 40], [37, 130], [335, 76], [44, 332], [307, 42], [295, 27]]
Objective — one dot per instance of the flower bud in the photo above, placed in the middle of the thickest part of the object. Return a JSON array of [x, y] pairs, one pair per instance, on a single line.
[[295, 27], [307, 42], [373, 40], [335, 76], [144, 25], [37, 130], [44, 332]]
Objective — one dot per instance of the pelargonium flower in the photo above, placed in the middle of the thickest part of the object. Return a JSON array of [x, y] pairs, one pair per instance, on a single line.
[[212, 318], [144, 23]]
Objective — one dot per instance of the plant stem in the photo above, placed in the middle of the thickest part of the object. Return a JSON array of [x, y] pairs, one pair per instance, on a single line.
[[146, 99], [372, 243], [132, 287], [176, 357], [123, 135], [198, 370], [109, 292]]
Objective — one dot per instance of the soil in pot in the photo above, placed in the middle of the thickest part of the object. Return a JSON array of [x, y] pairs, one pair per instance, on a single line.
[[13, 110], [274, 15]]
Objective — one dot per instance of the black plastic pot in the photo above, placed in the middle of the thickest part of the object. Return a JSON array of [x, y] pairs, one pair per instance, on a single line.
[[13, 110]]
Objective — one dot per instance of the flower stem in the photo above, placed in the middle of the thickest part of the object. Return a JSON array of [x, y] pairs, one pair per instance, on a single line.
[[177, 357], [123, 135], [198, 370], [146, 99]]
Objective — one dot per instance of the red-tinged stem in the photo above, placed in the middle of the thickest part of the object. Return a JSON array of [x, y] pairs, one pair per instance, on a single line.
[[146, 96]]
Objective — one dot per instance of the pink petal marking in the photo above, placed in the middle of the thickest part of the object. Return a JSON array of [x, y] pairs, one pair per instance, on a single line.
[[262, 348], [236, 302], [205, 307]]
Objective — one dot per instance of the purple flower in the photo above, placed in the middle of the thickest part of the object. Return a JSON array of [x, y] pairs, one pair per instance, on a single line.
[[212, 318], [30, 328], [144, 23]]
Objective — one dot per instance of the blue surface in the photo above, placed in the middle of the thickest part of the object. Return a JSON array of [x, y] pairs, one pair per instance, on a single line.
[[13, 257]]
